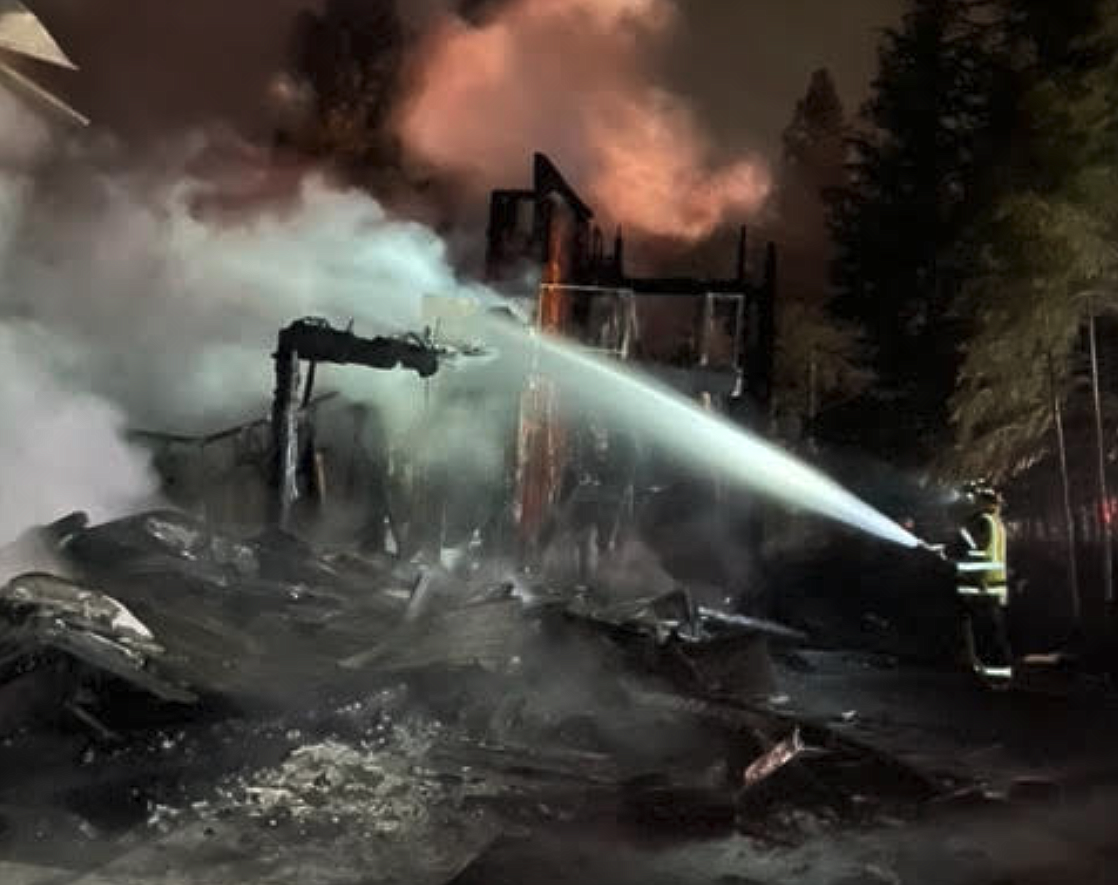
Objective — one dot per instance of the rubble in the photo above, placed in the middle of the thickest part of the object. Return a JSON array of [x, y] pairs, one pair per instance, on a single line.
[[45, 621], [775, 759], [335, 784], [286, 703]]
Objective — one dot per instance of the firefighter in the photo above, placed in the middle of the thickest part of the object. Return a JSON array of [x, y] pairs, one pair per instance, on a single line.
[[982, 584]]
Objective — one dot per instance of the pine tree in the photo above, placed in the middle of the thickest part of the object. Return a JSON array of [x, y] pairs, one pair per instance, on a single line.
[[817, 354], [814, 156], [350, 56], [1045, 251], [930, 134], [1050, 35]]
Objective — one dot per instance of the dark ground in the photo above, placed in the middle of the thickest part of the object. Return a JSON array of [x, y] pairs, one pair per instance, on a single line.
[[1038, 788], [1038, 805]]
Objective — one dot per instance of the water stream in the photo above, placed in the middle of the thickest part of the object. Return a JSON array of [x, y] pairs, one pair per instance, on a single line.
[[683, 429]]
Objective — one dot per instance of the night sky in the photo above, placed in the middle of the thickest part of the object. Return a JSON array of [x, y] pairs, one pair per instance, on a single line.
[[152, 65], [744, 63]]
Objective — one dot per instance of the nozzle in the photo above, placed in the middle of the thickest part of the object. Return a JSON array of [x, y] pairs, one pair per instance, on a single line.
[[938, 549]]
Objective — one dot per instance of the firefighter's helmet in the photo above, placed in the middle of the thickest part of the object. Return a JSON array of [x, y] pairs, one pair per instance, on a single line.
[[981, 493]]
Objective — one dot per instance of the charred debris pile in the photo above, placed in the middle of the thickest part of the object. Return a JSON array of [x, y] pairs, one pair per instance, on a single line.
[[174, 690], [208, 684]]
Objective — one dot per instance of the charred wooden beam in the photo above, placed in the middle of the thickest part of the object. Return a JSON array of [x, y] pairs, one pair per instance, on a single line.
[[316, 341]]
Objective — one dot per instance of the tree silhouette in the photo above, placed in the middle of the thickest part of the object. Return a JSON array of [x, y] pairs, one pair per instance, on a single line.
[[349, 56], [818, 356], [1045, 253], [930, 132]]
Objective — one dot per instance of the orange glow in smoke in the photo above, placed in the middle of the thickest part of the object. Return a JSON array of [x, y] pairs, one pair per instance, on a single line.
[[651, 170], [570, 77]]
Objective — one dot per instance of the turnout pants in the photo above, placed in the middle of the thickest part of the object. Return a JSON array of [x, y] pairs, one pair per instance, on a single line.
[[985, 628]]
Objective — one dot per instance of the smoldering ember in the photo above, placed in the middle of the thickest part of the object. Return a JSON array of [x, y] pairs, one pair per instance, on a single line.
[[558, 441]]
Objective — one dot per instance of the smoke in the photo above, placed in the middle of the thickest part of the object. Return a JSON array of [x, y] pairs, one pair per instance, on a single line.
[[62, 449], [169, 294], [159, 288], [149, 293], [487, 83], [574, 78]]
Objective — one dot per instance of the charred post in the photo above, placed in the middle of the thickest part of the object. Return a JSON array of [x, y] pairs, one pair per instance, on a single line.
[[316, 341]]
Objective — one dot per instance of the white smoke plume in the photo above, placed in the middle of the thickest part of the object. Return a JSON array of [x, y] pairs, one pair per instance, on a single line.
[[150, 294], [61, 447]]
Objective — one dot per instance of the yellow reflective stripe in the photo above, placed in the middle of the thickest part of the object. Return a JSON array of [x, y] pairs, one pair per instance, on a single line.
[[995, 672], [983, 566], [991, 547], [996, 547], [999, 594]]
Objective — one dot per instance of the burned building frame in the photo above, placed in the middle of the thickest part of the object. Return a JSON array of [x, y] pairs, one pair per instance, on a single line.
[[711, 339]]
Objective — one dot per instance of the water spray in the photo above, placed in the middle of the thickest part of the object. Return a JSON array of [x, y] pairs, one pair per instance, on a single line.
[[690, 433]]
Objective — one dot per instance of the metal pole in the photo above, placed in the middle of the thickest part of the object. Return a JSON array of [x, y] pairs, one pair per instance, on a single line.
[[1069, 519], [1100, 443], [812, 405]]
